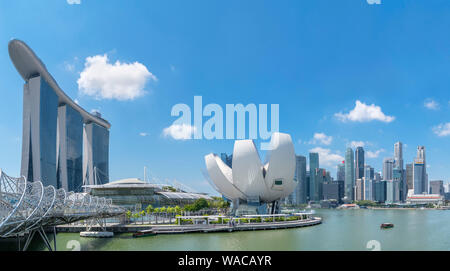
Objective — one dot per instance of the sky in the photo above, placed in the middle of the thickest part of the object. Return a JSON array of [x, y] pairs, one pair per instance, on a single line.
[[344, 73]]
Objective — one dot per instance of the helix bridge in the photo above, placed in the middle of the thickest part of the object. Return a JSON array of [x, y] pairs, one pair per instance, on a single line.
[[28, 207]]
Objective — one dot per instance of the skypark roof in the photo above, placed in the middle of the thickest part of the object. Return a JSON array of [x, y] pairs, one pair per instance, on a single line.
[[29, 65]]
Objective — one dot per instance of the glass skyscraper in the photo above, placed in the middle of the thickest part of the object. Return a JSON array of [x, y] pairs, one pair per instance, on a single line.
[[349, 174], [359, 158], [70, 149], [40, 112], [95, 153], [313, 165], [300, 175], [420, 177]]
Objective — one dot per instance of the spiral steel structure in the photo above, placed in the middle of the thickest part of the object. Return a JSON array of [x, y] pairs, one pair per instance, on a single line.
[[25, 206]]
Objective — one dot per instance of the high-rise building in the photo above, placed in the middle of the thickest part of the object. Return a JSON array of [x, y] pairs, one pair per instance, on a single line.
[[359, 190], [379, 193], [397, 175], [420, 177], [409, 176], [349, 174], [392, 191], [340, 173], [40, 114], [313, 165], [54, 149], [319, 178], [300, 175], [359, 158], [398, 155], [95, 154], [70, 149], [437, 187], [333, 190], [368, 189], [388, 166]]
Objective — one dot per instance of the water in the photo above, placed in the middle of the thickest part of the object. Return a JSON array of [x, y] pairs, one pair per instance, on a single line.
[[341, 230]]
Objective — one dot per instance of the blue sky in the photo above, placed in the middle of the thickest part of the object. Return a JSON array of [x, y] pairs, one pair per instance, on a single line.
[[315, 59]]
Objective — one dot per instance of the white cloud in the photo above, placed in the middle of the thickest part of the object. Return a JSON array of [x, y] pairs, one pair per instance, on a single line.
[[364, 113], [143, 134], [326, 157], [72, 2], [355, 144], [179, 131], [120, 81], [321, 138], [371, 2], [442, 129], [375, 154], [431, 104]]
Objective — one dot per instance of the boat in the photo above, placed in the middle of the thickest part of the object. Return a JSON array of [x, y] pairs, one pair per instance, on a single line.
[[387, 226], [144, 233]]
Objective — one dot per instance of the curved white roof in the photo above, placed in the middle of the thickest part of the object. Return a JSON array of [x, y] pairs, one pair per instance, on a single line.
[[249, 178], [29, 65], [126, 181]]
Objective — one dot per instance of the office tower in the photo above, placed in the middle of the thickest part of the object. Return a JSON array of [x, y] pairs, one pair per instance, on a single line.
[[369, 172], [308, 183], [359, 158], [359, 190], [388, 166], [398, 155], [95, 154], [420, 177], [379, 193], [392, 191], [409, 176], [397, 175], [300, 175], [70, 149], [437, 187], [349, 174], [333, 190], [377, 176], [368, 189], [313, 165], [340, 173], [227, 159], [319, 178]]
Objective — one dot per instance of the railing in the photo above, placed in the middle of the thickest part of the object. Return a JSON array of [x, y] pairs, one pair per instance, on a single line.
[[25, 206]]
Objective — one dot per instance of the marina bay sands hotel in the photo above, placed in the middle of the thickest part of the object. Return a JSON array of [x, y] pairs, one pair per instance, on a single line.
[[62, 144]]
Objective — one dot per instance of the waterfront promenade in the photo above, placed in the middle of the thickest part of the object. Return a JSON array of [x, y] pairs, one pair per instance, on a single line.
[[194, 228]]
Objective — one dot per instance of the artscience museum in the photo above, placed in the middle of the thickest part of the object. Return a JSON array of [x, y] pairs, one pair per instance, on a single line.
[[251, 186]]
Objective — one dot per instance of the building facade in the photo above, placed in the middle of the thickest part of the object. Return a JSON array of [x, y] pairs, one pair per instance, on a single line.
[[313, 165], [349, 174], [359, 159]]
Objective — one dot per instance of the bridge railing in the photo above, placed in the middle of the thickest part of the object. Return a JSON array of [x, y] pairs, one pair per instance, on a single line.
[[25, 206]]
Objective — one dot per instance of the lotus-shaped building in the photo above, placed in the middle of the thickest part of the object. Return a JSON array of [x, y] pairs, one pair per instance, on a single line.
[[249, 180]]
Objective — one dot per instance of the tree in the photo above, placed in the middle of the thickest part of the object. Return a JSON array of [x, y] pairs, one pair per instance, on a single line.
[[150, 209]]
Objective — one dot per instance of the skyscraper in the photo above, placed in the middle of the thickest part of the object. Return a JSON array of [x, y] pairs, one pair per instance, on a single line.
[[95, 154], [437, 187], [420, 177], [398, 155], [313, 165], [349, 174], [409, 176], [300, 175], [359, 158], [388, 167], [340, 173]]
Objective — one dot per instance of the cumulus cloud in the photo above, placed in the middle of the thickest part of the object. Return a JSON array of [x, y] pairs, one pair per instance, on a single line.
[[371, 2], [120, 81], [431, 104], [364, 113], [442, 129], [321, 138], [73, 2], [374, 154], [179, 131], [326, 157], [143, 134]]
